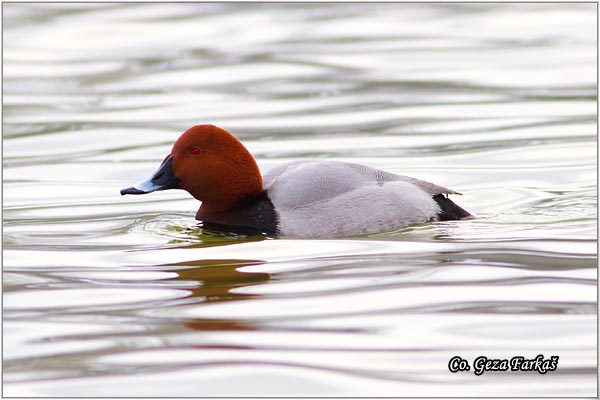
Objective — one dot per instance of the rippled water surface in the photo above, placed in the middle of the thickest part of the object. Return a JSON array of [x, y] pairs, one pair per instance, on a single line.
[[122, 296]]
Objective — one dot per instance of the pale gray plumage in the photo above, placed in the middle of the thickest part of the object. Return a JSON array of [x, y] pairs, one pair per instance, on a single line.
[[331, 199]]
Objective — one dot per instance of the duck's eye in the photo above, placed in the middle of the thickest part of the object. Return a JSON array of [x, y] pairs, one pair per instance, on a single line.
[[195, 151]]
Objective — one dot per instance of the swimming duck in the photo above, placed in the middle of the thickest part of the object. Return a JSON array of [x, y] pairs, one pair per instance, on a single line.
[[307, 199]]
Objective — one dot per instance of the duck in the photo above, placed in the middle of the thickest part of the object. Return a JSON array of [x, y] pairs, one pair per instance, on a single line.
[[304, 199]]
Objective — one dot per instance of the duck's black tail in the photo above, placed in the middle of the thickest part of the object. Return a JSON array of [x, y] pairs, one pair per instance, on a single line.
[[449, 210]]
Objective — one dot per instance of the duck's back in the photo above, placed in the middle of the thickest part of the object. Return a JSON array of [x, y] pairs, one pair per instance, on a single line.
[[331, 198]]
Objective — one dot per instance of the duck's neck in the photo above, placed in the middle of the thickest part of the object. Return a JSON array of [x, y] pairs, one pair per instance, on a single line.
[[226, 205], [235, 183]]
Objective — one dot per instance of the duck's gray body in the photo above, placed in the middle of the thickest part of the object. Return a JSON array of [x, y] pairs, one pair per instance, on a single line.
[[324, 199]]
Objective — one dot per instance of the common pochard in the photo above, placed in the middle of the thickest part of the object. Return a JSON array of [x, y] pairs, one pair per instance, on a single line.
[[308, 199]]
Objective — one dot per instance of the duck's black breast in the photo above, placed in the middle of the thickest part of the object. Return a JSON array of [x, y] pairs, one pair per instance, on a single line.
[[254, 213]]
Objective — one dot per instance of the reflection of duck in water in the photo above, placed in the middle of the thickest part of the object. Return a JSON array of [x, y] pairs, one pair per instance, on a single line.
[[306, 199], [216, 279]]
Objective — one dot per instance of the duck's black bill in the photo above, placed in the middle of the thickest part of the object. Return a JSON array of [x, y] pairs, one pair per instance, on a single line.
[[163, 178], [132, 190]]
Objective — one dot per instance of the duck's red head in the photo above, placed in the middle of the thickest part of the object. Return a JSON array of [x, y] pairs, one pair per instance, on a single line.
[[209, 163]]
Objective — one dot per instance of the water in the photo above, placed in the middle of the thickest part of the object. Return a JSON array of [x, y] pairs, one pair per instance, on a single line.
[[126, 296]]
